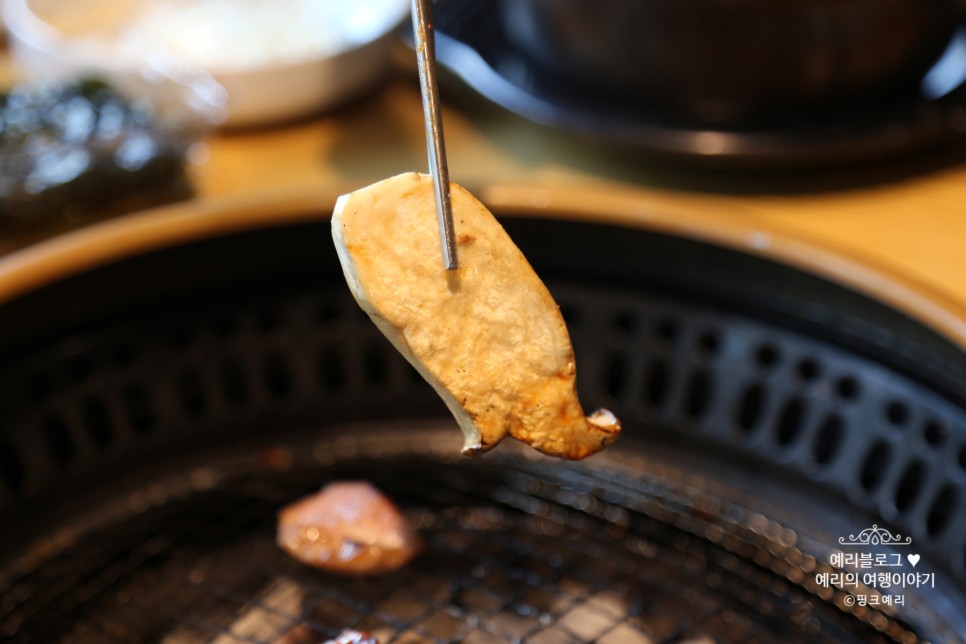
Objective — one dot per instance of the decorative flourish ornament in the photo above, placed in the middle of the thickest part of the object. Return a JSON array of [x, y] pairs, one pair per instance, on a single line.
[[875, 536]]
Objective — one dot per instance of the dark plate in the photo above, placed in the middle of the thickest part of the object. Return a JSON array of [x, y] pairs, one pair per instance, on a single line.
[[471, 45]]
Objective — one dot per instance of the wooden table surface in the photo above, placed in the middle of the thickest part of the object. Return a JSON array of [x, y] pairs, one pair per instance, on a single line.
[[907, 218]]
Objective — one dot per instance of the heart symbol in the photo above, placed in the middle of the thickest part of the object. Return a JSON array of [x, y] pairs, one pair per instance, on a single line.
[[913, 559]]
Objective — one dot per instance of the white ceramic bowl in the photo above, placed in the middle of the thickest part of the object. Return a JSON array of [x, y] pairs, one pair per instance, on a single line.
[[228, 79]]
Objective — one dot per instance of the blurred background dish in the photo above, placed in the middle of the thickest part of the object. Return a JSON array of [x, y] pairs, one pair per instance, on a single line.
[[73, 150], [722, 62], [58, 41], [263, 61], [630, 80]]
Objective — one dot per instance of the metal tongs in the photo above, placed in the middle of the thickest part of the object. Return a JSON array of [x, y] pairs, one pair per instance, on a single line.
[[426, 55]]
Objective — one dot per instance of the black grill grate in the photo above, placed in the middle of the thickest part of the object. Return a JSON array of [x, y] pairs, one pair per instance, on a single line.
[[197, 374], [519, 548], [877, 438]]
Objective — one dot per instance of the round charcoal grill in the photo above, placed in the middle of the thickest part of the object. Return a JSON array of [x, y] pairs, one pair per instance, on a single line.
[[158, 410]]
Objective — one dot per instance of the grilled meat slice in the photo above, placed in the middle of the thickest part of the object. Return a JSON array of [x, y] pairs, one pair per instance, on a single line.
[[488, 337]]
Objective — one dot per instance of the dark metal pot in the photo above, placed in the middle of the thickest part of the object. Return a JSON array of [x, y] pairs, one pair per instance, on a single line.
[[727, 61]]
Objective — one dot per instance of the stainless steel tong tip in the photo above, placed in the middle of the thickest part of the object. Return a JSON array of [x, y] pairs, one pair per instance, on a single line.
[[422, 11]]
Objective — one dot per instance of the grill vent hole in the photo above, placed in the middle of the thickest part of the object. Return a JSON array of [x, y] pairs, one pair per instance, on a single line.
[[875, 465], [267, 320], [192, 393], [935, 433], [180, 337], [625, 321], [897, 413], [709, 343], [962, 457], [11, 467], [808, 370], [39, 388], [137, 408], [124, 355], [224, 326], [941, 510], [767, 356], [667, 330], [615, 373], [327, 312], [58, 440], [276, 374], [828, 439], [97, 421], [750, 408], [234, 385], [698, 395], [658, 375], [79, 367], [376, 365], [847, 388], [331, 370], [910, 486], [790, 421]]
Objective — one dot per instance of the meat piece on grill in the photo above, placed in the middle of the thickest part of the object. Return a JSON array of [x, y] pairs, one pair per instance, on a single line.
[[302, 634], [488, 336], [348, 528], [349, 636]]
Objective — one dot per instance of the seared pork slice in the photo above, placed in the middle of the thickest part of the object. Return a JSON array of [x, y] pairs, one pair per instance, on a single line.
[[488, 337], [348, 528]]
